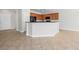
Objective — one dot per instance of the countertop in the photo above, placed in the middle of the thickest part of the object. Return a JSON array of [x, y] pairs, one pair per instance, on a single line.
[[43, 22]]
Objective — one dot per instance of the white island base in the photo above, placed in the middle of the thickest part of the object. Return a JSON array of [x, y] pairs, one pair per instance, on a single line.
[[42, 29]]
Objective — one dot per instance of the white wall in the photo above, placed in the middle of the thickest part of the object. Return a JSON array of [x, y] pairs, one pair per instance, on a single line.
[[69, 19], [17, 19], [13, 19], [22, 15], [25, 18]]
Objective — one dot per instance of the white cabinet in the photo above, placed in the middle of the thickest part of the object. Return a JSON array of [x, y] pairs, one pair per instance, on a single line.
[[43, 29]]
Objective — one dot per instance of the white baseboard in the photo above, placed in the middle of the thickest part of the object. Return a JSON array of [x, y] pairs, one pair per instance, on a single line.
[[49, 35], [22, 31], [7, 29], [70, 29]]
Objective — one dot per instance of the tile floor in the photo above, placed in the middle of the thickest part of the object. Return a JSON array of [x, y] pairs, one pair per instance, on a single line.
[[64, 40]]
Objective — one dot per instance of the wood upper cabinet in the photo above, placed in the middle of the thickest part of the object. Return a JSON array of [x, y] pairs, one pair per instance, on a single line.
[[55, 16], [38, 16], [52, 16], [47, 15]]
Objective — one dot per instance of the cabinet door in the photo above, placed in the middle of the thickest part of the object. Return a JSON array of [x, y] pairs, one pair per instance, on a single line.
[[38, 16], [55, 16], [47, 15]]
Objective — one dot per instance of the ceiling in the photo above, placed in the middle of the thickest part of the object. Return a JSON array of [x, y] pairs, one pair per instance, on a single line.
[[7, 10]]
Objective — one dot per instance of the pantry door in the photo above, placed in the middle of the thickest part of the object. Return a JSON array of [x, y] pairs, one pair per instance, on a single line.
[[5, 22]]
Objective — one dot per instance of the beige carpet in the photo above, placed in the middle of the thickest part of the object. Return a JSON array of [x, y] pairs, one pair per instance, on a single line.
[[64, 40]]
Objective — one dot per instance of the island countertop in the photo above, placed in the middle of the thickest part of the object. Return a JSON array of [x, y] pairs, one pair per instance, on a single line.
[[43, 22]]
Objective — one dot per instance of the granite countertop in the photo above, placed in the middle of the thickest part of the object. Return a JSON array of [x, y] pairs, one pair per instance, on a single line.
[[43, 22]]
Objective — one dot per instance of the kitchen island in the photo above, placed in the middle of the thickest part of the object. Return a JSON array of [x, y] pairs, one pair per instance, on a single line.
[[42, 29]]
